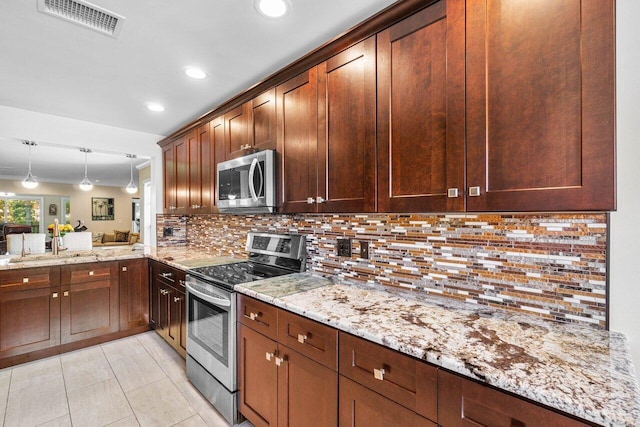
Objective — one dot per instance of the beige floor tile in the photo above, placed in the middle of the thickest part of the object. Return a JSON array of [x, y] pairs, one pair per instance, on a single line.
[[202, 406], [136, 371], [84, 368], [5, 381], [174, 366], [58, 422], [34, 373], [98, 404], [194, 421], [158, 348], [37, 404], [130, 421], [159, 404], [122, 348]]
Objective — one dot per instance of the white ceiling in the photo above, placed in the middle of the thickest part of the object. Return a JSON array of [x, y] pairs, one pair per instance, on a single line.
[[52, 66]]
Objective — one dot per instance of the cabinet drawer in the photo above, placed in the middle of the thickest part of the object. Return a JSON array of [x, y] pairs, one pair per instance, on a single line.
[[83, 273], [407, 381], [29, 278], [168, 275], [463, 403], [315, 340], [257, 315]]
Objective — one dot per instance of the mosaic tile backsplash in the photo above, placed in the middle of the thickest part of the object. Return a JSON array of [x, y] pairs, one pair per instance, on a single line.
[[549, 265]]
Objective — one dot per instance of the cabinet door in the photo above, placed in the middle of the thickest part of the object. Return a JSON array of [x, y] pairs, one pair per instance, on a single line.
[[421, 111], [297, 142], [194, 171], [169, 173], [181, 148], [540, 105], [347, 130], [218, 147], [207, 170], [90, 301], [177, 321], [134, 294], [262, 128], [236, 130], [307, 391], [463, 403], [29, 310], [360, 406], [257, 377]]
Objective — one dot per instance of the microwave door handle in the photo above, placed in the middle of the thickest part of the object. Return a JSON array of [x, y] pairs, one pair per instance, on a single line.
[[261, 179], [252, 189], [213, 300]]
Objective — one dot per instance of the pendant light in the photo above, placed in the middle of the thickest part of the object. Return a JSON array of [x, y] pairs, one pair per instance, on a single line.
[[29, 181], [131, 188], [85, 185]]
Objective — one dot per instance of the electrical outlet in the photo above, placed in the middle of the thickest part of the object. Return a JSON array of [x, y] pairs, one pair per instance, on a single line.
[[344, 247], [167, 231], [364, 249]]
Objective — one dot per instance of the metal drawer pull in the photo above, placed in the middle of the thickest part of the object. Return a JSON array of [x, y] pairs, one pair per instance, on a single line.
[[166, 275], [452, 192], [176, 299], [91, 273], [25, 280], [310, 200], [124, 268], [55, 295], [302, 338], [164, 291], [65, 293], [378, 374], [280, 360], [320, 200], [269, 356], [254, 316], [474, 191]]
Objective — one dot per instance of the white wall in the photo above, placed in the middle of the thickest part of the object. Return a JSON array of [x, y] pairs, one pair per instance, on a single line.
[[625, 222], [22, 124]]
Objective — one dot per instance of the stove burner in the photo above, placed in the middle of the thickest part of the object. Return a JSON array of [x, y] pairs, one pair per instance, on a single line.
[[228, 275]]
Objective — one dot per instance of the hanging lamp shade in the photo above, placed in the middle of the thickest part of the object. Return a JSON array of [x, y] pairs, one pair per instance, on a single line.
[[30, 181], [85, 184], [131, 188]]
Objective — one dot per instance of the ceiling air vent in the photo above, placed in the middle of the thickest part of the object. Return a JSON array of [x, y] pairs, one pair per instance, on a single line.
[[84, 13]]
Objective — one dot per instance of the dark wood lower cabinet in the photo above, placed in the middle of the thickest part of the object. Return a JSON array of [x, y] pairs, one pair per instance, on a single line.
[[360, 406], [463, 403], [168, 305], [29, 310], [134, 293]]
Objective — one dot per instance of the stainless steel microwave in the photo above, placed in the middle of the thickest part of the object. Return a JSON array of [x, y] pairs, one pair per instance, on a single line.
[[248, 184]]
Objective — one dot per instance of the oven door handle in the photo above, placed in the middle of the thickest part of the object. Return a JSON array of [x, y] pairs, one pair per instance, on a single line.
[[252, 171], [213, 300]]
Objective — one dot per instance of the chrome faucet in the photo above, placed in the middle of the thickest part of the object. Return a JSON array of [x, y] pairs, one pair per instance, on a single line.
[[54, 239], [23, 252]]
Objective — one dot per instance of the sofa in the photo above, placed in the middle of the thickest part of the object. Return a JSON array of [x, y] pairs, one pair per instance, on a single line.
[[117, 238], [9, 228]]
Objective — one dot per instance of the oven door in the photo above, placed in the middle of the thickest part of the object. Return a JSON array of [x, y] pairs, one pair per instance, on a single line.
[[211, 330], [247, 184]]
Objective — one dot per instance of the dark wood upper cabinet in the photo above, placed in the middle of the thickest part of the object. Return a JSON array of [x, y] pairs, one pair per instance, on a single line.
[[347, 130], [421, 111], [297, 142], [236, 131], [181, 148], [217, 144], [169, 174], [540, 105], [262, 123], [201, 167]]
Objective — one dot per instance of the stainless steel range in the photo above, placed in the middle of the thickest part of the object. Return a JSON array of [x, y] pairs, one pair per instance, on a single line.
[[211, 313]]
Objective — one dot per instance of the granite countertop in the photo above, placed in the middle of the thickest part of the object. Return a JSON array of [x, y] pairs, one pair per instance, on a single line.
[[579, 370]]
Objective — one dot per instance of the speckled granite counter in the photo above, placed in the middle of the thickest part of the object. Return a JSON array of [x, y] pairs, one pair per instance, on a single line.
[[184, 258], [581, 371]]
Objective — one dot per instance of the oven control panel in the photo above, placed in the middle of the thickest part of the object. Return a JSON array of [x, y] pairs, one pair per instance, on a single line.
[[282, 245]]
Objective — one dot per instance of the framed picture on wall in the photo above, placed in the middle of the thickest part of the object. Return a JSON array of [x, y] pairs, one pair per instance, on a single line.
[[102, 209], [53, 209]]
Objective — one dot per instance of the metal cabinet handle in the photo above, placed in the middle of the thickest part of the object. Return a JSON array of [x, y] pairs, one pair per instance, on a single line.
[[320, 200], [452, 192], [55, 295], [378, 374], [474, 191], [310, 200], [254, 316], [166, 275], [25, 280], [302, 338], [177, 299], [65, 293], [164, 291], [269, 356], [280, 360], [181, 282], [91, 273], [124, 268]]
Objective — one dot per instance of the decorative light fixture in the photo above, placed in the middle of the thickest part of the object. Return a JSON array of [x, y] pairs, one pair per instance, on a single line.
[[195, 73], [3, 194], [131, 188], [85, 185], [29, 181], [272, 8]]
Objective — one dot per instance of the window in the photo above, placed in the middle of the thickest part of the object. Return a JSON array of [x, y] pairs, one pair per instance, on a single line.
[[22, 210]]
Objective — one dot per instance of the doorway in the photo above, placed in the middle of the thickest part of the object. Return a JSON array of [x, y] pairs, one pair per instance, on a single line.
[[135, 215]]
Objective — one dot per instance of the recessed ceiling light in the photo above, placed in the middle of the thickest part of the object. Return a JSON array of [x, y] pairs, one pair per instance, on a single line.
[[272, 8], [195, 73], [155, 107]]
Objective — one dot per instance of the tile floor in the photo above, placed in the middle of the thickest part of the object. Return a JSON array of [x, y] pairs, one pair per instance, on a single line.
[[134, 381]]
